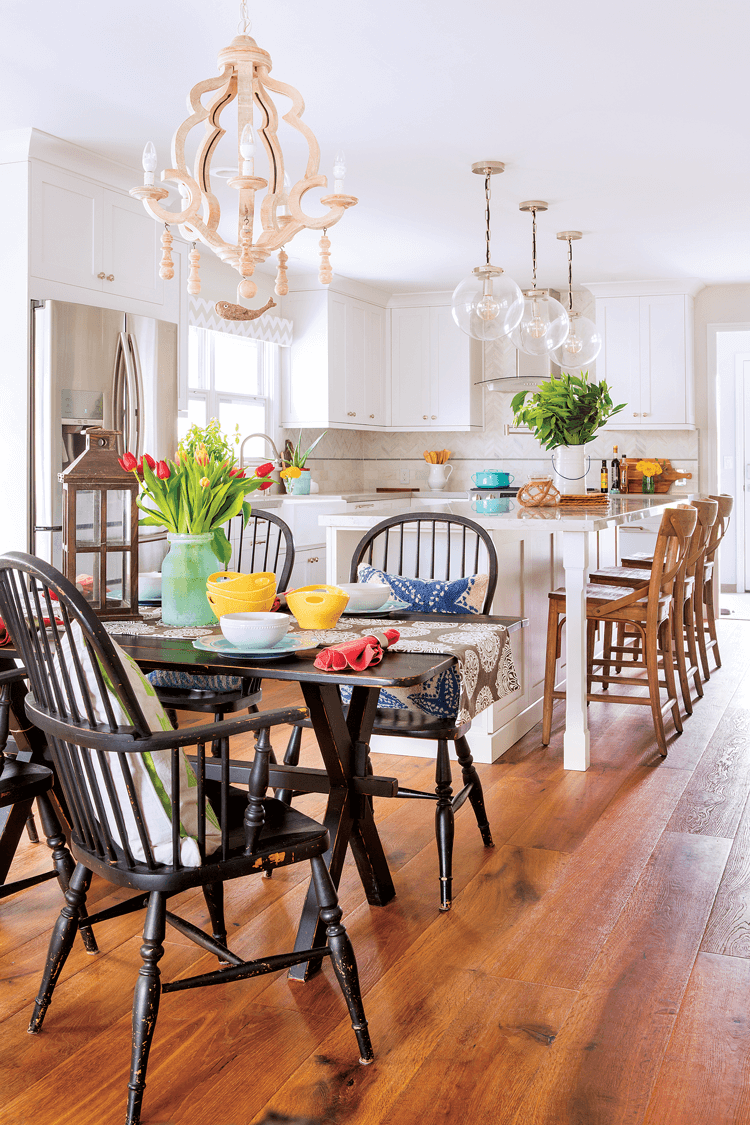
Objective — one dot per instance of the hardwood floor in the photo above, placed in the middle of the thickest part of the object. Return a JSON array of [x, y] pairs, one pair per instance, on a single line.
[[594, 969]]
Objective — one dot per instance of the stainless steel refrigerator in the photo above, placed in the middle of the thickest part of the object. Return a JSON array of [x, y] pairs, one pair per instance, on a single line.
[[95, 367]]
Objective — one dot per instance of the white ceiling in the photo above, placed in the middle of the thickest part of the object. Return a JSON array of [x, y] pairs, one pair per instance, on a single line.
[[630, 119]]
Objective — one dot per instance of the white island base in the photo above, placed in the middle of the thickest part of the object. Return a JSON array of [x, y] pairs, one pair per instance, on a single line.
[[538, 549]]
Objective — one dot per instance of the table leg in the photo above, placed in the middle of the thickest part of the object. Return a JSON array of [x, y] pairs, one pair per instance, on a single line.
[[576, 562], [348, 816]]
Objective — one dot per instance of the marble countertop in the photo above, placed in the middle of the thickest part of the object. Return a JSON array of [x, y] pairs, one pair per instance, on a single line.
[[620, 510]]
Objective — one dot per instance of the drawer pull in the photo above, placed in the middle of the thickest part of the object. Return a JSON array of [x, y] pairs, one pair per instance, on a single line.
[[313, 559], [101, 276], [363, 505], [351, 414], [110, 277], [372, 415]]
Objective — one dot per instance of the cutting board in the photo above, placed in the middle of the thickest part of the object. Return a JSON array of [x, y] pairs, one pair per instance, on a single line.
[[663, 481]]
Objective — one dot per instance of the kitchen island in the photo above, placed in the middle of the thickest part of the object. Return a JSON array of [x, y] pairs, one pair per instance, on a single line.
[[538, 549]]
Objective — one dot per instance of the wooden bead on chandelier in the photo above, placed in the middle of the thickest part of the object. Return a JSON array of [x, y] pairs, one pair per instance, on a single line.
[[244, 78]]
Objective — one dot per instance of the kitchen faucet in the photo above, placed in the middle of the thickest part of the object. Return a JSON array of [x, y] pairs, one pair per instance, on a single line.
[[270, 441]]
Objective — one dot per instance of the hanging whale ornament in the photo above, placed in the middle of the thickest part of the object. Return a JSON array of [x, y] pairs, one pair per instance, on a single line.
[[228, 311]]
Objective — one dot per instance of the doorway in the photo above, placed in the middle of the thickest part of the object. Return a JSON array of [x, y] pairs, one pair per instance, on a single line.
[[733, 393]]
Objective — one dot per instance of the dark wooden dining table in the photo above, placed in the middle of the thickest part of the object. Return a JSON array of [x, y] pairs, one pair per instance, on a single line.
[[343, 736]]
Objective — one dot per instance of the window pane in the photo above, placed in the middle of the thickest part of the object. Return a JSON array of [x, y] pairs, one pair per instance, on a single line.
[[236, 362], [118, 516], [251, 418], [197, 374], [196, 415]]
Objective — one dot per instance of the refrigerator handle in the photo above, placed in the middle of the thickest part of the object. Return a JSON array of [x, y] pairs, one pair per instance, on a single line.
[[130, 354], [119, 396]]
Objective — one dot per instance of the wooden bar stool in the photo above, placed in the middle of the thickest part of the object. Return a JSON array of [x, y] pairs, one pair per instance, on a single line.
[[646, 609], [705, 615], [685, 649]]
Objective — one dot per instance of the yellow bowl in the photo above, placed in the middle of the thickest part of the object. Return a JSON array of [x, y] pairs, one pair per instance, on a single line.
[[317, 607], [224, 603], [230, 582]]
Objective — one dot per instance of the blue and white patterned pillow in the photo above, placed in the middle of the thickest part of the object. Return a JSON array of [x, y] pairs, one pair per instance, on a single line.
[[461, 595], [168, 678]]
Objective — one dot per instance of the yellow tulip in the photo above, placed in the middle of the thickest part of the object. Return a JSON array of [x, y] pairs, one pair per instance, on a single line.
[[291, 471], [205, 482], [201, 456]]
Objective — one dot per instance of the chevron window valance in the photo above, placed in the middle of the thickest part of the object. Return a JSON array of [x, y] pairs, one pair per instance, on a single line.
[[271, 329]]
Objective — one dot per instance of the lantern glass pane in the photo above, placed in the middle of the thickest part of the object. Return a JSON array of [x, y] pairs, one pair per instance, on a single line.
[[118, 516], [87, 577], [88, 517], [118, 579]]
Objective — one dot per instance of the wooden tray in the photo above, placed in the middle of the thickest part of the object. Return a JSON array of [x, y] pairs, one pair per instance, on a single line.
[[663, 482]]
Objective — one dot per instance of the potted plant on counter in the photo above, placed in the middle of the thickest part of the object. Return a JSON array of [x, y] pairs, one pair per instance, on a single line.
[[193, 497], [564, 414], [295, 475]]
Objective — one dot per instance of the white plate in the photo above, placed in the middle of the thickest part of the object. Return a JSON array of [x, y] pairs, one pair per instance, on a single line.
[[220, 646], [393, 605]]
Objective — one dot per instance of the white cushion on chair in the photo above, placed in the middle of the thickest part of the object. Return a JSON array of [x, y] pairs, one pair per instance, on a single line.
[[151, 772]]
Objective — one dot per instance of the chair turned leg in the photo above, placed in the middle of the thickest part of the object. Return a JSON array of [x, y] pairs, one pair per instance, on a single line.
[[213, 893], [476, 796], [678, 638], [700, 633], [668, 658], [549, 672], [60, 944], [342, 956], [31, 831], [146, 1001], [63, 861], [216, 746], [291, 758], [711, 621], [651, 654], [692, 646], [444, 823], [606, 655]]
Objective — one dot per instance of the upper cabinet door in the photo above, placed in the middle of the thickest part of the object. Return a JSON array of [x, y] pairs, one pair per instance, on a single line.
[[66, 228], [356, 363], [664, 397], [619, 361], [374, 371], [130, 249], [451, 371], [410, 392]]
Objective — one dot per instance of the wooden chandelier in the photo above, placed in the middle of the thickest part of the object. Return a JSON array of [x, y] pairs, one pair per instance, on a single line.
[[245, 77]]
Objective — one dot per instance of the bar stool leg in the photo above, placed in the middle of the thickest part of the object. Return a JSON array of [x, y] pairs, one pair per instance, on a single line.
[[692, 646], [549, 671], [679, 652]]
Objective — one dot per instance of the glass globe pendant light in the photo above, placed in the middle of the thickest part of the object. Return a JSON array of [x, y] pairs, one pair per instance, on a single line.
[[544, 322], [583, 343], [487, 305]]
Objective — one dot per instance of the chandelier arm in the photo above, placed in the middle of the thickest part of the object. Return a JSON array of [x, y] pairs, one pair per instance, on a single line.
[[295, 204], [293, 118]]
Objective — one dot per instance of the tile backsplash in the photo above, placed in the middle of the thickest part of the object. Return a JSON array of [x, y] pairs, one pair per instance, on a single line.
[[359, 461]]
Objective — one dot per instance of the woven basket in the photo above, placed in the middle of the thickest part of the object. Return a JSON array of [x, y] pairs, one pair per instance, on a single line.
[[538, 492]]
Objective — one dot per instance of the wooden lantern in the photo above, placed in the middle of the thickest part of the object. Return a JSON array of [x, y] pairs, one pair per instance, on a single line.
[[100, 528]]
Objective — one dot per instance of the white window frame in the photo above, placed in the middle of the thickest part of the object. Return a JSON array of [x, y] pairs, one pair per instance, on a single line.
[[267, 369]]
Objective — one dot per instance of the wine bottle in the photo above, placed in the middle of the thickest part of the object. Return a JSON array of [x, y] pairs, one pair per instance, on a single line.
[[623, 473], [605, 477], [614, 475]]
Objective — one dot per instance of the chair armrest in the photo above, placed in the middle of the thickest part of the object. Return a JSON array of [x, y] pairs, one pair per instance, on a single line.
[[12, 675], [124, 740]]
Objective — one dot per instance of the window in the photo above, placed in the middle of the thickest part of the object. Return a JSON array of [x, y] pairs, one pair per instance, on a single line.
[[229, 378]]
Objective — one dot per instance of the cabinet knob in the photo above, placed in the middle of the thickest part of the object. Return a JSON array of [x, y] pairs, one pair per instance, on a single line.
[[351, 413], [372, 415], [110, 277], [101, 276], [634, 414], [313, 559], [434, 416], [425, 417], [644, 415]]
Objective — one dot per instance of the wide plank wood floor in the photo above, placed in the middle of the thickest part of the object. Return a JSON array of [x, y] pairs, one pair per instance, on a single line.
[[594, 970]]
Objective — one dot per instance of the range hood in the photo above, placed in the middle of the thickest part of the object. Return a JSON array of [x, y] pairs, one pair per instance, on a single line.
[[531, 370]]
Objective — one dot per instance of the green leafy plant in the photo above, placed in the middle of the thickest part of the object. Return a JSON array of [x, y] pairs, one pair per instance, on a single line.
[[568, 410], [295, 457], [216, 443]]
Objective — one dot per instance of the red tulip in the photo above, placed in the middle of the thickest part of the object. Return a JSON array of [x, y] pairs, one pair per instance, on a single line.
[[149, 461], [237, 473], [128, 462], [266, 484], [265, 470], [162, 470]]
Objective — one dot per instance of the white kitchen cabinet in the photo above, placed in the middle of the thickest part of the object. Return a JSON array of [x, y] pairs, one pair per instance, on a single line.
[[334, 373], [433, 365], [647, 359], [88, 235]]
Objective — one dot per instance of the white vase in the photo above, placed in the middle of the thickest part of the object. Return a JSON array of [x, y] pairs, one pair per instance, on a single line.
[[569, 463], [438, 476]]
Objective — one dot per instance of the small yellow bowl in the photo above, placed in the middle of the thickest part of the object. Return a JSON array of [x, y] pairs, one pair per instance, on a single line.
[[231, 582], [224, 603], [317, 607]]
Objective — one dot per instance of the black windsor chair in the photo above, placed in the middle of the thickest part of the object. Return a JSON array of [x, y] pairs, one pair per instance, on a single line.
[[390, 546], [79, 684], [266, 544]]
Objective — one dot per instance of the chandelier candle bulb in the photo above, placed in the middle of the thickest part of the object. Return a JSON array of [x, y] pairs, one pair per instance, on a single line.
[[149, 163], [339, 171]]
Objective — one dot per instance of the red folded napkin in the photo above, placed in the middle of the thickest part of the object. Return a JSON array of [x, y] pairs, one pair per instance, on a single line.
[[4, 634], [358, 653]]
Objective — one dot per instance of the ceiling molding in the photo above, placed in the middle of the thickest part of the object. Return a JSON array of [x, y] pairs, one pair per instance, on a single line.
[[687, 286]]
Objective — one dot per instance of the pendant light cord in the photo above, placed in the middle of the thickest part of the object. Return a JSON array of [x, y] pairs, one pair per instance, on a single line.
[[533, 247], [245, 23], [487, 196], [570, 274]]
